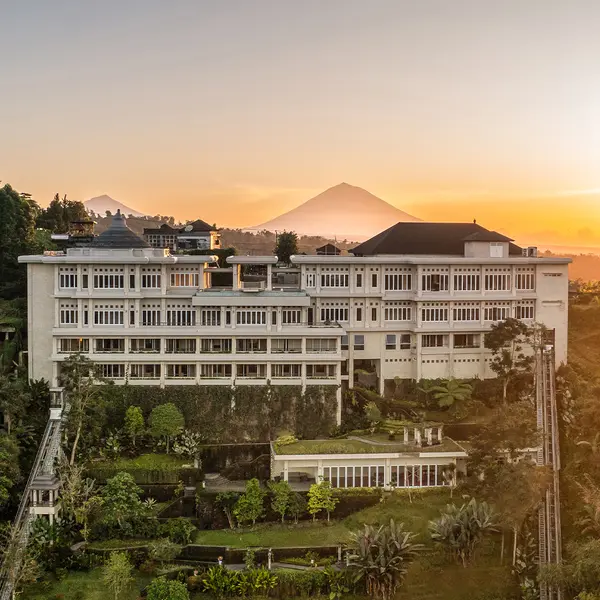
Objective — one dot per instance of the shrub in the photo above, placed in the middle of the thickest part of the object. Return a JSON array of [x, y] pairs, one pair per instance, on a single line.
[[117, 573], [163, 550], [161, 589], [166, 421], [249, 506], [180, 530]]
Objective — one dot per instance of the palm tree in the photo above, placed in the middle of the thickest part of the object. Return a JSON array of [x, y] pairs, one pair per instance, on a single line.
[[451, 391], [381, 557]]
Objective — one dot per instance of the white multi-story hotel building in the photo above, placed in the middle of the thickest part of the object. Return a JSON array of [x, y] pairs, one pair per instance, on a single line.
[[414, 302]]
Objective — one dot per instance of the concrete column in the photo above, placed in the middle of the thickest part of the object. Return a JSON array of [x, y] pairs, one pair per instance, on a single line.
[[387, 475], [285, 470], [269, 277], [319, 470], [405, 432], [338, 412], [429, 434], [236, 277], [417, 436]]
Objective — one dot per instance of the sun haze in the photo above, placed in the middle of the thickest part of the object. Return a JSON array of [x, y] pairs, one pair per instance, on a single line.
[[238, 111]]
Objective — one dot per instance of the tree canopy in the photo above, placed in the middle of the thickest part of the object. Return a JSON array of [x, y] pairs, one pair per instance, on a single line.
[[287, 246], [60, 213]]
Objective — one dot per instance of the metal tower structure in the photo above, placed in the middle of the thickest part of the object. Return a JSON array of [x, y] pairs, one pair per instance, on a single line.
[[550, 543], [41, 477]]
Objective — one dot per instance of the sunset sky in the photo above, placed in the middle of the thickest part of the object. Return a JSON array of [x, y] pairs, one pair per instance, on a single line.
[[238, 110]]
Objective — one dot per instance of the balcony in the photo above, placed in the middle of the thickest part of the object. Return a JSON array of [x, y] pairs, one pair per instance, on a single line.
[[253, 286]]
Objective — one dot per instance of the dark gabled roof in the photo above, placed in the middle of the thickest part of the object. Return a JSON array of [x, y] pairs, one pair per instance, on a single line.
[[198, 226], [118, 235], [165, 229], [328, 249], [446, 239]]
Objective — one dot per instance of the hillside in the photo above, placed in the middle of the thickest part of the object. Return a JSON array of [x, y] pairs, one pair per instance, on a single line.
[[100, 204], [343, 212]]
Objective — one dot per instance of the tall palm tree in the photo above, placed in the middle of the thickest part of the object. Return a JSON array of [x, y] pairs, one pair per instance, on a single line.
[[451, 391], [381, 557]]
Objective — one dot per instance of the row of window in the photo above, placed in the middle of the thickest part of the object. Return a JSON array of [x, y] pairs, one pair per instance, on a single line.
[[190, 345], [112, 280], [398, 476], [215, 371], [403, 341]]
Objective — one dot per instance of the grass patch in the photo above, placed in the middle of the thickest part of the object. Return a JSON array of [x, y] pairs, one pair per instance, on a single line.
[[160, 462], [84, 585], [118, 544]]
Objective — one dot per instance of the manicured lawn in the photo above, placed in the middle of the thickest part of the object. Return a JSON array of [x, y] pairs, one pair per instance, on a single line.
[[116, 544], [163, 462]]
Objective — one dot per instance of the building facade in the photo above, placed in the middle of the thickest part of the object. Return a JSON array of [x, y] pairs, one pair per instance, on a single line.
[[413, 304], [197, 235]]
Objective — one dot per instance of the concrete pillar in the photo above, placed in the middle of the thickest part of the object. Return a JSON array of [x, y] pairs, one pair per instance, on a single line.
[[338, 412], [235, 280], [429, 434], [406, 435], [319, 471], [269, 277], [417, 436], [285, 470]]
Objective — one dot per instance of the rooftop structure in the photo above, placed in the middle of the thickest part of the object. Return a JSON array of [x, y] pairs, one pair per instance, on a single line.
[[196, 235]]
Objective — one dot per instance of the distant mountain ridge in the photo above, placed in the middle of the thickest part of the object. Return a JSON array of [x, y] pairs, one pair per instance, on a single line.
[[343, 211], [100, 204]]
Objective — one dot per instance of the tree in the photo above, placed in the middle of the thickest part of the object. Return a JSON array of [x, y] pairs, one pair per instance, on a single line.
[[10, 472], [163, 550], [461, 529], [162, 589], [134, 422], [286, 247], [14, 399], [166, 421], [189, 444], [17, 232], [297, 506], [60, 214], [281, 496], [372, 413], [250, 505], [116, 573], [226, 502], [451, 392], [320, 497], [507, 340], [81, 380], [20, 565], [121, 499], [381, 557]]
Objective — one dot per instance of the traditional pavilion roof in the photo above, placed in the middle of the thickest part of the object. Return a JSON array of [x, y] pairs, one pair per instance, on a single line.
[[118, 235], [446, 239]]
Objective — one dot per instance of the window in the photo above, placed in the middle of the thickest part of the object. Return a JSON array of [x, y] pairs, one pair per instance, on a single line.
[[210, 317], [252, 345], [434, 313], [467, 282], [86, 316], [311, 280], [145, 371], [359, 282], [132, 281], [181, 317], [286, 371], [188, 279], [344, 342], [219, 371], [115, 345], [433, 341], [525, 281], [250, 316], [84, 281], [321, 345], [394, 282], [390, 341], [405, 341], [497, 282], [252, 371], [67, 278], [273, 316], [334, 280], [525, 311], [496, 249], [397, 312], [108, 279], [215, 345], [144, 345], [334, 314], [227, 317], [373, 314], [108, 314], [70, 345], [132, 316], [359, 313], [466, 312], [290, 316], [181, 346], [374, 280], [181, 371], [493, 312], [434, 282], [68, 314], [320, 371], [280, 346], [151, 279], [112, 371], [150, 315], [359, 342], [466, 340]]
